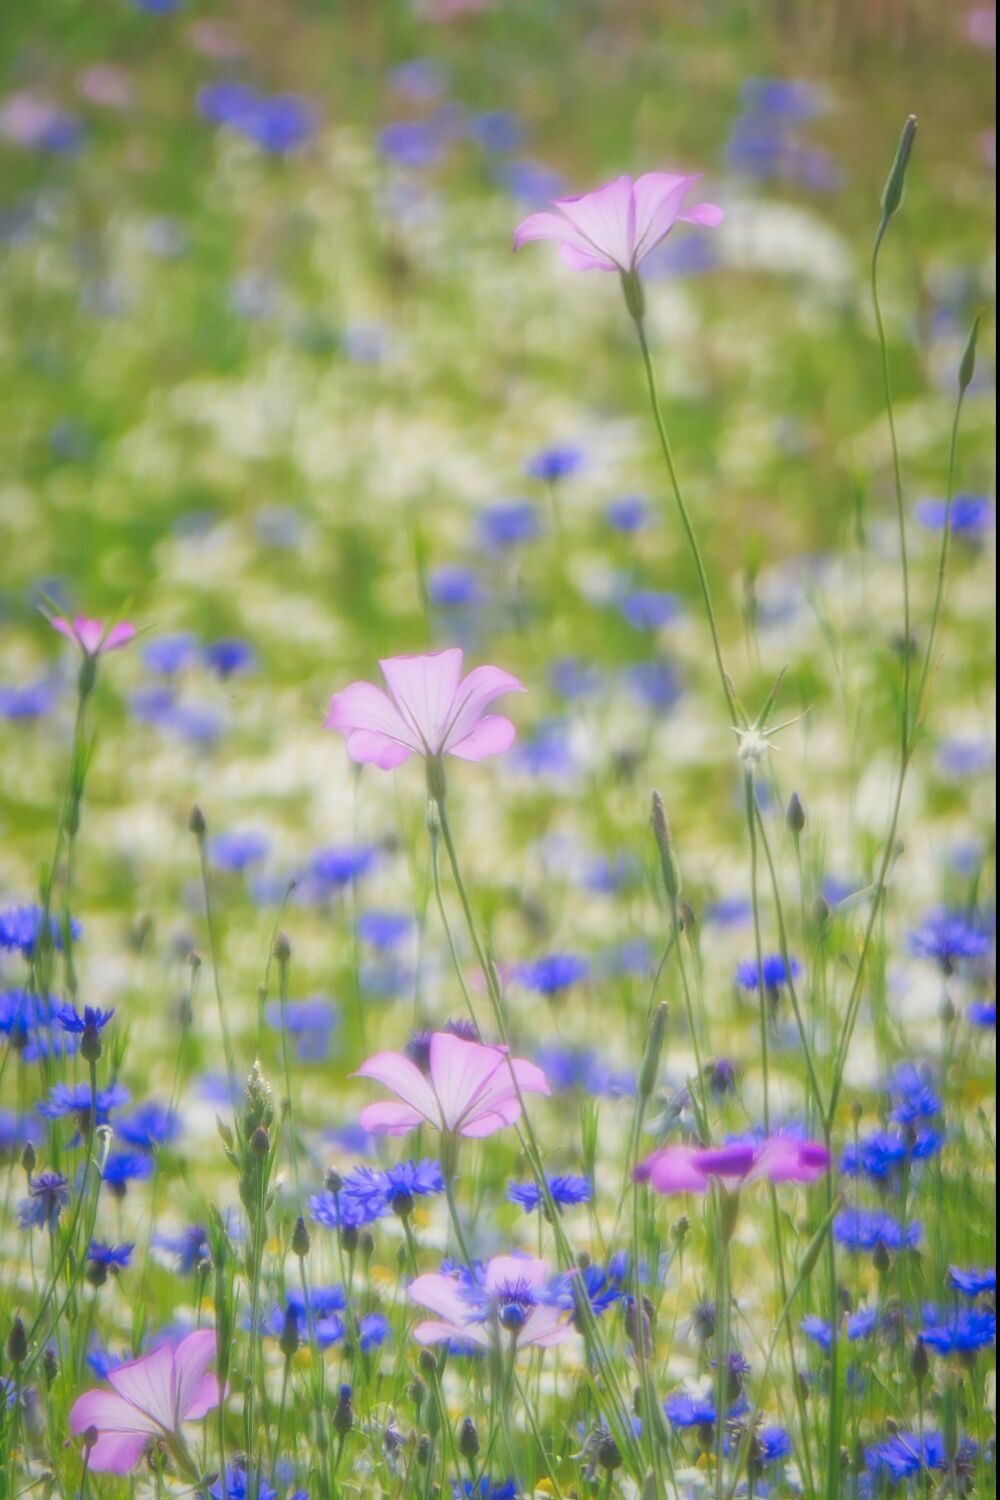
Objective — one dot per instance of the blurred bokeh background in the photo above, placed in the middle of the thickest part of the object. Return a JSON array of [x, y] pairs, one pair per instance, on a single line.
[[275, 386]]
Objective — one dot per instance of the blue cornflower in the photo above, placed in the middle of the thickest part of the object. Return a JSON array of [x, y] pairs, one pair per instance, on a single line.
[[628, 513], [486, 1489], [148, 1126], [335, 1211], [860, 1325], [20, 704], [602, 1286], [385, 930], [649, 609], [960, 1330], [112, 1257], [235, 1487], [238, 851], [277, 123], [912, 1095], [76, 1099], [971, 515], [948, 937], [772, 1445], [965, 757], [229, 656], [190, 1247], [884, 1154], [784, 98], [983, 1013], [531, 181], [340, 865], [581, 1068], [14, 1131], [775, 972], [729, 911], [496, 130], [547, 752], [393, 1190], [91, 1022], [48, 1195], [566, 1192], [973, 1282], [123, 1167], [169, 653], [905, 1454], [508, 522], [21, 1012], [421, 80], [860, 1229], [411, 143], [453, 587], [608, 876], [553, 464], [20, 926], [553, 974], [570, 677], [311, 1022], [696, 1409], [657, 683]]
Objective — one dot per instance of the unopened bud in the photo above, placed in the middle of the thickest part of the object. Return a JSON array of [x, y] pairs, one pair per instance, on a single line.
[[919, 1360], [300, 1239], [17, 1343], [967, 367], [196, 822], [795, 815], [282, 948], [608, 1453], [50, 1367], [260, 1142], [654, 1046], [333, 1181], [468, 1439], [892, 193], [881, 1258], [28, 1158], [665, 844], [343, 1417], [288, 1342]]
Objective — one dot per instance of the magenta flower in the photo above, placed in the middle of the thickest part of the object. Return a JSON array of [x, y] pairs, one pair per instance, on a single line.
[[468, 1089], [151, 1398], [92, 636], [430, 710], [615, 228], [690, 1169], [472, 1305]]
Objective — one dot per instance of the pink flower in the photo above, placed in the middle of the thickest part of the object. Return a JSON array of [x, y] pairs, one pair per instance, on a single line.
[[615, 228], [430, 710], [151, 1398], [689, 1169], [93, 636], [468, 1090], [473, 1305]]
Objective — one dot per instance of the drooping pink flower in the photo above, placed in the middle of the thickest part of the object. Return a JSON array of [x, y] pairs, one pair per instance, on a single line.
[[468, 1088], [615, 227], [151, 1398], [430, 709], [690, 1169], [473, 1305], [92, 636]]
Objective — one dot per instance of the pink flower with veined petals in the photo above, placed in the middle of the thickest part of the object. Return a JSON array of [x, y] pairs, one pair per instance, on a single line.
[[616, 227], [430, 709], [690, 1169], [151, 1398], [471, 1306], [92, 636], [468, 1089]]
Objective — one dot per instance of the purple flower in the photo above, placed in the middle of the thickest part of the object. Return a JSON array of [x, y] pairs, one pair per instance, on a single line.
[[20, 926], [973, 1283], [507, 523], [148, 1126], [238, 851], [123, 1167], [860, 1325], [566, 1192], [553, 464], [190, 1247], [863, 1230], [961, 1330], [48, 1195], [949, 937], [971, 515], [775, 972], [629, 513], [552, 975], [90, 1022], [76, 1099], [229, 656], [276, 123]]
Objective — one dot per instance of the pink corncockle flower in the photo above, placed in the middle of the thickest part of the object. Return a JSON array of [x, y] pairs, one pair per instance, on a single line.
[[690, 1169], [92, 636], [468, 1089], [616, 227], [430, 710], [151, 1398], [472, 1305]]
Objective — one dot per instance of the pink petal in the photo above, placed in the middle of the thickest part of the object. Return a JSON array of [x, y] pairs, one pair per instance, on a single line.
[[118, 636], [390, 1119], [64, 628], [659, 197], [150, 1385], [364, 707], [530, 1078], [424, 689], [432, 1332], [116, 1452], [508, 1270], [735, 1160], [784, 1160], [461, 1073], [541, 227], [491, 736], [584, 259], [544, 1328], [405, 1080], [440, 1294], [109, 1412], [491, 1120], [672, 1171], [88, 633], [708, 214], [207, 1396], [605, 221], [193, 1357], [369, 748], [472, 697]]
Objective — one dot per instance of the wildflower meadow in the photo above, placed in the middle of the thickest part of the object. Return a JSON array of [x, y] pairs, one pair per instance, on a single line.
[[497, 860]]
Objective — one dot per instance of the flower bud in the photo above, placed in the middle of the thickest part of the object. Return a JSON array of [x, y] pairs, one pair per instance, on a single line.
[[795, 815], [608, 1454], [196, 822], [50, 1367], [665, 844], [28, 1158], [881, 1258], [333, 1182], [892, 193], [300, 1239], [282, 948], [288, 1342], [654, 1046], [260, 1142], [17, 1343], [343, 1417], [919, 1362], [468, 1439], [967, 368]]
